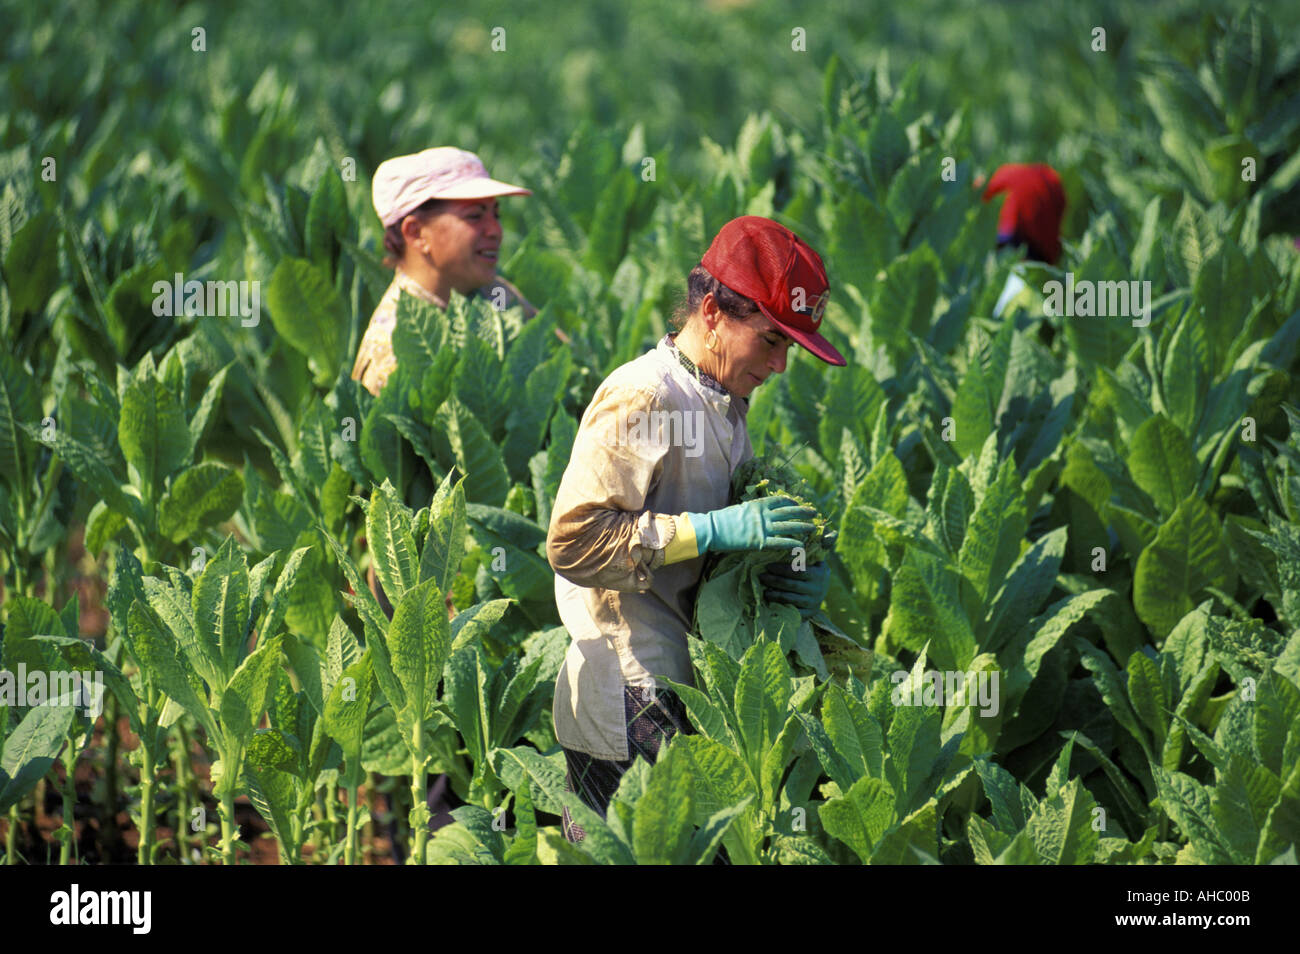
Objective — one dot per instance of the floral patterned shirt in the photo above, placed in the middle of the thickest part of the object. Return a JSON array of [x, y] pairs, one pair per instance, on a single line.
[[375, 360]]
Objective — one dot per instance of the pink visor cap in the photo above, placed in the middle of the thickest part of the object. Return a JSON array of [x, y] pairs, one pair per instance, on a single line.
[[404, 183]]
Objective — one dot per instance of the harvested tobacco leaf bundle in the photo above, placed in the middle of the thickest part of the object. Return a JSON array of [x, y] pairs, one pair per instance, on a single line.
[[772, 477], [730, 609]]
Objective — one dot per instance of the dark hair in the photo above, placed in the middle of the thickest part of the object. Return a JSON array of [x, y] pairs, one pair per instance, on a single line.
[[698, 284], [395, 244]]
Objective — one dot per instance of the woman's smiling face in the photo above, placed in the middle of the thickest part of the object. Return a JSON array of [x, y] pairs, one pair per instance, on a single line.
[[463, 241]]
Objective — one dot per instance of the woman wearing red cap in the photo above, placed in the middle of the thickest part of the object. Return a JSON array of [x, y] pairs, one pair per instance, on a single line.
[[645, 497], [1030, 217], [1032, 211], [439, 211]]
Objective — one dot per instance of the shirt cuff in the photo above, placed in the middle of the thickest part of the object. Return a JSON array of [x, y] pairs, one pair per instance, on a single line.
[[683, 545]]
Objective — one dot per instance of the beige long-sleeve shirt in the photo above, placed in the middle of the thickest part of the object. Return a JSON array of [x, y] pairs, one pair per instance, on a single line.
[[655, 442]]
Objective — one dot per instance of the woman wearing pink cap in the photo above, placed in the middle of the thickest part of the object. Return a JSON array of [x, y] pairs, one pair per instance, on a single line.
[[442, 234], [645, 497]]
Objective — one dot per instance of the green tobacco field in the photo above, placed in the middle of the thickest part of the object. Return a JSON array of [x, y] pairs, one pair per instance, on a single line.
[[1096, 516]]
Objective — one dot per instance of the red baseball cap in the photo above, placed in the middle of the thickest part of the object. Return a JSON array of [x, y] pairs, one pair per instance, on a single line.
[[1033, 209], [785, 278]]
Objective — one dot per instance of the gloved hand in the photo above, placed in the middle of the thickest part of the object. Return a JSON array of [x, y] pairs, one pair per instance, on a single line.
[[803, 589], [768, 523]]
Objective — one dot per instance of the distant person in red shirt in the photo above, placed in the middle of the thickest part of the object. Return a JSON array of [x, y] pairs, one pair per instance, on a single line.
[[1032, 211]]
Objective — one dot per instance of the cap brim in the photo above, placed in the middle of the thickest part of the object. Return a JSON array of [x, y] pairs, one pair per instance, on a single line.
[[481, 189], [810, 340]]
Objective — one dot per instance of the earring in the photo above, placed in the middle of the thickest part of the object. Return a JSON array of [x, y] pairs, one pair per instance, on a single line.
[[711, 340]]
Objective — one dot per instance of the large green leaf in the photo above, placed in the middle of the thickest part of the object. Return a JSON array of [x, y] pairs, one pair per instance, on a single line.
[[420, 332], [914, 747], [718, 775], [157, 653], [1224, 297], [274, 793], [391, 543], [474, 621], [221, 605], [529, 349], [862, 241], [1240, 805], [1062, 827], [527, 576], [384, 749], [327, 217], [1192, 240], [1162, 464], [1190, 707], [310, 315], [207, 407], [1149, 696], [380, 440], [904, 300], [1190, 805], [1026, 587], [367, 605], [887, 149], [979, 394], [480, 385], [82, 655], [31, 264], [444, 546], [19, 405], [926, 606], [285, 596], [418, 642], [478, 457], [762, 697], [1004, 796], [545, 774], [346, 710], [1112, 689], [992, 541], [1277, 721], [1187, 555], [853, 731], [853, 403], [31, 749], [471, 840], [200, 497], [662, 829], [722, 615], [1282, 827], [861, 816], [865, 551], [89, 467], [174, 608], [986, 841], [466, 691], [529, 416], [915, 839], [311, 459], [245, 698], [1187, 373], [153, 433]]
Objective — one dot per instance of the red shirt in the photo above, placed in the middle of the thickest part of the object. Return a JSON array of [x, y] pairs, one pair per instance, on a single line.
[[1034, 207]]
